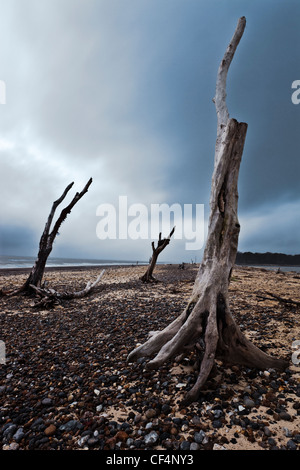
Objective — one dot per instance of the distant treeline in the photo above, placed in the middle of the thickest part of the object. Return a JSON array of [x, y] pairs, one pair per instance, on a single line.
[[279, 259]]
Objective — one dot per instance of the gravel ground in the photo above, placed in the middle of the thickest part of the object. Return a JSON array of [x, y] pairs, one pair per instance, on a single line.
[[66, 384]]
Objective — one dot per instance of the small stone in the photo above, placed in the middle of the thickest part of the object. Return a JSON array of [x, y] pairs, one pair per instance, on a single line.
[[271, 441], [121, 436], [199, 436], [166, 409], [151, 438], [47, 402], [83, 440], [194, 446], [285, 416], [50, 430], [287, 432], [177, 421], [217, 424], [291, 445], [129, 442], [69, 426], [218, 413], [196, 420], [137, 418], [14, 446], [9, 431], [218, 447], [150, 413], [180, 385], [18, 436], [185, 445], [92, 441], [267, 431], [248, 403]]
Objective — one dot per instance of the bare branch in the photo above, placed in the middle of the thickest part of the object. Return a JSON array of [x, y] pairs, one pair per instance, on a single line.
[[68, 209], [220, 96], [279, 299]]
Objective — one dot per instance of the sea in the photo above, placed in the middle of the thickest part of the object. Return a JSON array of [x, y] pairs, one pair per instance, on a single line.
[[12, 262]]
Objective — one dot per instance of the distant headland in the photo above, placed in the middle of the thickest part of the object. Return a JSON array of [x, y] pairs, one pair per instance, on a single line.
[[278, 259]]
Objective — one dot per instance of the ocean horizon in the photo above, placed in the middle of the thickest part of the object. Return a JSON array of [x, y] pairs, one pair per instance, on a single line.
[[12, 262]]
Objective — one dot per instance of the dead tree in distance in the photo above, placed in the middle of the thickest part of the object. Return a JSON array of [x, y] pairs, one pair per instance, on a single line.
[[161, 245], [207, 323], [34, 280]]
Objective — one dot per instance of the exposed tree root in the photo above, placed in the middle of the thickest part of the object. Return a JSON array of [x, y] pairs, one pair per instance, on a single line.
[[50, 297]]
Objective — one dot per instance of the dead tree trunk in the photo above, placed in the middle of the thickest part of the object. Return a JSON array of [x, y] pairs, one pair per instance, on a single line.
[[47, 239], [161, 245], [207, 323]]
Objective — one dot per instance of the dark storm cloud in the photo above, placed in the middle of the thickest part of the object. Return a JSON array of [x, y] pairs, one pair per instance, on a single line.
[[122, 91]]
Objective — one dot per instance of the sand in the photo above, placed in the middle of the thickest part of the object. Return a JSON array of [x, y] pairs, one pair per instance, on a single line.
[[69, 363]]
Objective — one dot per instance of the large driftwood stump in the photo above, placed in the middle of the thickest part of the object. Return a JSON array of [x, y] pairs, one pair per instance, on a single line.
[[207, 323]]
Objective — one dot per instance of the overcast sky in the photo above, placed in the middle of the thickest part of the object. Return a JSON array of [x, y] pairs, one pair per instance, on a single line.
[[121, 91]]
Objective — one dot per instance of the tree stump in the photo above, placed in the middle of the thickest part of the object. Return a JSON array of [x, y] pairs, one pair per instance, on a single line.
[[161, 245], [46, 241]]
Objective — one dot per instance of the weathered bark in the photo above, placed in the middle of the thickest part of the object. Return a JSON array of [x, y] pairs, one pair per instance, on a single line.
[[161, 245], [207, 323], [46, 242]]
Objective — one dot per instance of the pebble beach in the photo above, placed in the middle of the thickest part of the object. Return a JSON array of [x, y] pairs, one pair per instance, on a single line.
[[66, 383]]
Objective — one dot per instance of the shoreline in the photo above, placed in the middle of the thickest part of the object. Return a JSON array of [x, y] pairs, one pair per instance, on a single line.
[[78, 268], [14, 271]]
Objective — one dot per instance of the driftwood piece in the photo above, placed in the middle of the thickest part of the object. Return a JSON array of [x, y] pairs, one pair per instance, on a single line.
[[278, 298]]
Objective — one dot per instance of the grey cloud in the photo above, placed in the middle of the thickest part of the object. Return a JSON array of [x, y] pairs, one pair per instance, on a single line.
[[122, 91], [17, 240]]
